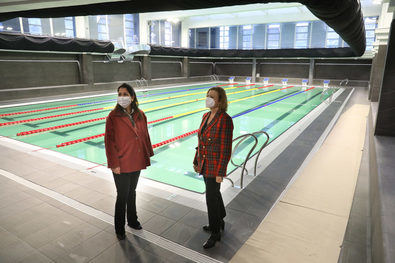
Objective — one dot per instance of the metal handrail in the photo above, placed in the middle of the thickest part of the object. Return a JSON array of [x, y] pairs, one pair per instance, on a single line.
[[344, 80], [242, 138], [260, 150]]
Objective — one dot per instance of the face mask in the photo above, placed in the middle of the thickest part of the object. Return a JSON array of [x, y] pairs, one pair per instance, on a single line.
[[210, 102], [124, 101]]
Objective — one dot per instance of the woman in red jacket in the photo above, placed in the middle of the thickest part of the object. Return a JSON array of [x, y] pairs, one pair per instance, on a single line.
[[212, 157], [128, 150]]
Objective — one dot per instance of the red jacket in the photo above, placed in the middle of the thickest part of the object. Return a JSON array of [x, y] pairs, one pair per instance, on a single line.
[[215, 145], [127, 147]]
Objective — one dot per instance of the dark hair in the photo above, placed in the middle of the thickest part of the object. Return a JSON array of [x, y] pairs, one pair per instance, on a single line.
[[222, 99], [135, 102]]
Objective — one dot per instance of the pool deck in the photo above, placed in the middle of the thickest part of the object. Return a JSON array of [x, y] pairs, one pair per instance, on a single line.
[[53, 213]]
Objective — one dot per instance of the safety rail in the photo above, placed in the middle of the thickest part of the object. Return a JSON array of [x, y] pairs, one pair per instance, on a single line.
[[214, 77], [342, 81], [260, 150], [241, 139]]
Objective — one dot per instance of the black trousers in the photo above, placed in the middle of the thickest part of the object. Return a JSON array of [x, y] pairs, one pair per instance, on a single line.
[[126, 198], [215, 204]]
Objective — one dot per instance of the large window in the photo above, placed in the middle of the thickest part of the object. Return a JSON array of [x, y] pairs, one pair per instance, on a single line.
[[247, 36], [12, 25], [69, 26], [168, 34], [224, 37], [130, 34], [102, 27], [35, 26], [370, 26], [165, 32], [332, 38], [302, 35], [273, 36]]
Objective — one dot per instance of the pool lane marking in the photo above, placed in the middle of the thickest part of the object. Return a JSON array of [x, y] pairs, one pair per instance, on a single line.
[[190, 94], [97, 102], [98, 109], [163, 119], [235, 116], [103, 118]]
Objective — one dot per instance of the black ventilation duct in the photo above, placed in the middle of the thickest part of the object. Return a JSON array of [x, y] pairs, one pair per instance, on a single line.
[[344, 16]]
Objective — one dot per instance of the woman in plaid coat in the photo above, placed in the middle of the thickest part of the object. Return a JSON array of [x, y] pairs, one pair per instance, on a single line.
[[212, 156]]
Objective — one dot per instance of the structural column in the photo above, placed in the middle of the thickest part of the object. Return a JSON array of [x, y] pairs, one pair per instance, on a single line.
[[385, 123], [311, 71], [185, 67], [253, 77], [86, 70], [146, 68], [377, 72]]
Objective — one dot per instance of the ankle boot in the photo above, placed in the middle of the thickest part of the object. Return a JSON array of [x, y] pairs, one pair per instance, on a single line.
[[212, 240], [208, 229]]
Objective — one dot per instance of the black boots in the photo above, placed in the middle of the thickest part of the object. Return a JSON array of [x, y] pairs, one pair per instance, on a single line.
[[121, 236], [212, 240], [207, 227], [136, 225]]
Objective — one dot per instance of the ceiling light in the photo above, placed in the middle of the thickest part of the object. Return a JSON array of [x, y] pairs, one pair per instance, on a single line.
[[9, 28]]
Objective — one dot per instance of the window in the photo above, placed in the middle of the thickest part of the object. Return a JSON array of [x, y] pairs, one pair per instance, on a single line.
[[69, 26], [247, 36], [168, 34], [12, 25], [332, 38], [302, 35], [154, 32], [273, 36], [130, 35], [35, 26], [102, 27], [370, 26], [224, 37]]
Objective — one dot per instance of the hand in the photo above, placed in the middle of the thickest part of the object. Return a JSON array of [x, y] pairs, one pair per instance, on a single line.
[[116, 170], [219, 179], [196, 168]]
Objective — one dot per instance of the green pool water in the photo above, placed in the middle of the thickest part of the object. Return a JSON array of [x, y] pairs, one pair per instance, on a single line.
[[172, 163]]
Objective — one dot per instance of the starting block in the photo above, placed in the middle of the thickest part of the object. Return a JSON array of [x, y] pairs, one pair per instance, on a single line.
[[248, 81], [231, 79], [285, 82], [304, 83], [266, 81], [326, 83]]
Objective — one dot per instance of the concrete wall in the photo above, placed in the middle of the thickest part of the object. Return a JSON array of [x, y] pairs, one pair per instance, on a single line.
[[27, 74], [20, 70]]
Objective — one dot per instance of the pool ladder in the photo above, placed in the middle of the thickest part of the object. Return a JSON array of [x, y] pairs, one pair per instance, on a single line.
[[140, 83], [214, 77], [240, 140]]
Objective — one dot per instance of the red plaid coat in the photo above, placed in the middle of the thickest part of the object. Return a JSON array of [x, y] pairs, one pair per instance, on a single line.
[[215, 145]]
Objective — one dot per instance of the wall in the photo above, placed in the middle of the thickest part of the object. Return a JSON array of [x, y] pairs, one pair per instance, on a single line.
[[29, 74]]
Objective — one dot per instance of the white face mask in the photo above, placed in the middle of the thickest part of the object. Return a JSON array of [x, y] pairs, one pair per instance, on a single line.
[[210, 102], [124, 101]]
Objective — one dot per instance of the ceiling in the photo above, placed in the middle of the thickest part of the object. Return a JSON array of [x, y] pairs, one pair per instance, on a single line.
[[344, 16]]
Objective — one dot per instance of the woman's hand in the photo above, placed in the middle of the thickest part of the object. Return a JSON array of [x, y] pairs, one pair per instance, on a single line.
[[219, 179], [116, 170], [196, 168]]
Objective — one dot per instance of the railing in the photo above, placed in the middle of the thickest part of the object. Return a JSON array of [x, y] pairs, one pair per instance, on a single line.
[[260, 150], [241, 139], [214, 77]]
